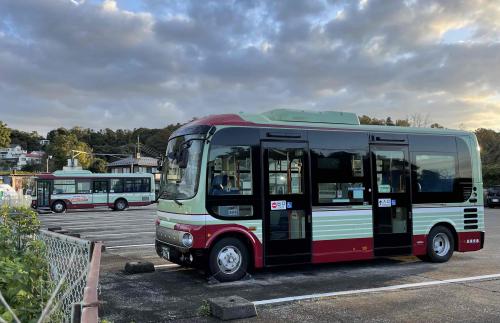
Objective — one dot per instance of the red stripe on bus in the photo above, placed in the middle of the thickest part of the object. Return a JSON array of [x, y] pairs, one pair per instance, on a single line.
[[469, 241], [342, 250], [419, 244]]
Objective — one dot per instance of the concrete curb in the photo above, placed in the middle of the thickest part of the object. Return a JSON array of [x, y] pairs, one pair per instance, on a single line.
[[138, 267], [231, 308]]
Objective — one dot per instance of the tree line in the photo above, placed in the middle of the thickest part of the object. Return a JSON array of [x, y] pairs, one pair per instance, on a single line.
[[98, 147], [107, 145]]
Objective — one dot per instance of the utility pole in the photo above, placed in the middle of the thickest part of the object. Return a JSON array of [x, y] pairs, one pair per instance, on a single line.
[[48, 158], [137, 155]]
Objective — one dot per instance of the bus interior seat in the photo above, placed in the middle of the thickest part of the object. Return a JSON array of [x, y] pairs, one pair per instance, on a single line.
[[218, 184]]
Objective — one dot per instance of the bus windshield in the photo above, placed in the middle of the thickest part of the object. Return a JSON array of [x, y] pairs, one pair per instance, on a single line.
[[182, 167]]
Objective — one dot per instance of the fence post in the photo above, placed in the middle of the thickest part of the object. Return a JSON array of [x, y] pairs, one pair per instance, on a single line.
[[90, 306], [76, 313]]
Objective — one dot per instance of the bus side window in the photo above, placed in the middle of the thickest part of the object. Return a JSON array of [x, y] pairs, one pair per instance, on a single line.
[[435, 172], [229, 181], [83, 187], [230, 170], [116, 185], [100, 186], [339, 177], [64, 186]]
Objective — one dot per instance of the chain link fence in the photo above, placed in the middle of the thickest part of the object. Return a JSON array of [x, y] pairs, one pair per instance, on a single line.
[[69, 263]]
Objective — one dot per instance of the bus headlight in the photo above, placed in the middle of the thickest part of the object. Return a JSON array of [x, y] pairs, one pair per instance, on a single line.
[[187, 240]]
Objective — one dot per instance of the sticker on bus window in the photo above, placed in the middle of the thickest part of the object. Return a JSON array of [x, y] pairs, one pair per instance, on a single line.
[[278, 205], [289, 205], [384, 203]]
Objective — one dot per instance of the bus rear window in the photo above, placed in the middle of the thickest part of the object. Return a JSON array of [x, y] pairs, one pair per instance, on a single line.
[[435, 173]]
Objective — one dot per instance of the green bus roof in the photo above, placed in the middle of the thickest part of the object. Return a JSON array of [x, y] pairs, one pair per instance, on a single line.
[[332, 119]]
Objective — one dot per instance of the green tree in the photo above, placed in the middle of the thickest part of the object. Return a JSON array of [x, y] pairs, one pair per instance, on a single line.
[[98, 165], [364, 119], [436, 125], [33, 168], [4, 135], [403, 123], [28, 140], [61, 145], [489, 141], [24, 276]]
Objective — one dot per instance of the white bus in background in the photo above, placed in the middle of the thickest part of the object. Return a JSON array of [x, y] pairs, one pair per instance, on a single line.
[[63, 190]]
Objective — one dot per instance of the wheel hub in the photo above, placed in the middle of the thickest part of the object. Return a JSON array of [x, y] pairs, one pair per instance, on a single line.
[[441, 244], [229, 259]]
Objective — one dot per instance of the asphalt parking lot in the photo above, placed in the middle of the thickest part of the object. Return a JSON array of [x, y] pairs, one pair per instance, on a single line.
[[399, 289]]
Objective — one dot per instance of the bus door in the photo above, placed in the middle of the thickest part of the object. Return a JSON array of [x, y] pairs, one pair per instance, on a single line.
[[100, 189], [287, 203], [392, 212], [43, 188]]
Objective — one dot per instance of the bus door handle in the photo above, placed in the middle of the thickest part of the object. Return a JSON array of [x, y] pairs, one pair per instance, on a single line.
[[409, 215], [309, 218]]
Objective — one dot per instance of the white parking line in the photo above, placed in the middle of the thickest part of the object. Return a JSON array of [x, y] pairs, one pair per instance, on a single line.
[[124, 234], [378, 289], [131, 246]]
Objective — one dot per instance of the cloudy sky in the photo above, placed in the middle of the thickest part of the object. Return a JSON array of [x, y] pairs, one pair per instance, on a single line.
[[148, 63]]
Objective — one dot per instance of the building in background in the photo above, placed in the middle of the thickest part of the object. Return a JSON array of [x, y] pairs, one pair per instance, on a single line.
[[15, 157], [13, 152]]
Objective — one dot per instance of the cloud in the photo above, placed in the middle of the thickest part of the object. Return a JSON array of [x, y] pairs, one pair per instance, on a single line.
[[99, 65]]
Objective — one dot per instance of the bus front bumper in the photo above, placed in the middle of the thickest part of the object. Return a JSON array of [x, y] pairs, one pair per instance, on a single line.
[[180, 255]]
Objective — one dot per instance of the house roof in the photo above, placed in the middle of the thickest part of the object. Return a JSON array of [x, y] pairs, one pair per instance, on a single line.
[[35, 154], [142, 161]]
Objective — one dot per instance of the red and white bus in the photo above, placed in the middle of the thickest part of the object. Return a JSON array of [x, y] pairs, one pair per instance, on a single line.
[[288, 187], [63, 190]]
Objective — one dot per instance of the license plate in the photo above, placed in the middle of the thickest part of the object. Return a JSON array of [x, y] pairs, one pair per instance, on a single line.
[[166, 252], [495, 200]]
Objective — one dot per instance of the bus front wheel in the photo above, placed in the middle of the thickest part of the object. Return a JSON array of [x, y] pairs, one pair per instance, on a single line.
[[120, 205], [59, 207], [440, 244], [228, 260]]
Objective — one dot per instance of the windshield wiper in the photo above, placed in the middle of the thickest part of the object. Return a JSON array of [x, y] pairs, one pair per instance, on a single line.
[[177, 202]]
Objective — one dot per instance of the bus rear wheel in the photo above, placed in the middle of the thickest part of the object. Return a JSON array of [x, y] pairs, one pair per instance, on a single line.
[[228, 260], [440, 244], [120, 205], [59, 207]]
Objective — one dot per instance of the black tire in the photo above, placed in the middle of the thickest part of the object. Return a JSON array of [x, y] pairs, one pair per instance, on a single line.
[[440, 244], [228, 248], [120, 205], [58, 207]]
